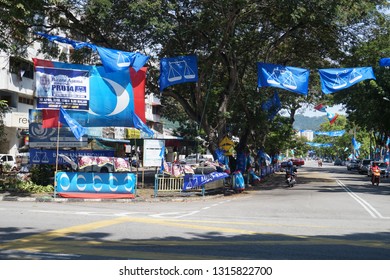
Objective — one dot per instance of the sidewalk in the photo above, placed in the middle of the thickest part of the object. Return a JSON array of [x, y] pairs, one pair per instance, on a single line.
[[146, 194]]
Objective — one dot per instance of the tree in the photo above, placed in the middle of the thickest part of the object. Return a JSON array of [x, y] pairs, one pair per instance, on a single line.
[[228, 37], [3, 110]]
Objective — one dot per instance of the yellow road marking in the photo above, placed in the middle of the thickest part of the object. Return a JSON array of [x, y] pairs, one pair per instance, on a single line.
[[46, 241]]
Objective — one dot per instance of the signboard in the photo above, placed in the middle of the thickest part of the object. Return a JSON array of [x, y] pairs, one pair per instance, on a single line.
[[133, 133], [62, 87], [16, 119], [152, 151], [227, 145], [40, 156], [47, 137]]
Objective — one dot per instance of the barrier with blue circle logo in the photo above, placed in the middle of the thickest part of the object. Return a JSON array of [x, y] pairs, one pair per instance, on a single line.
[[95, 185]]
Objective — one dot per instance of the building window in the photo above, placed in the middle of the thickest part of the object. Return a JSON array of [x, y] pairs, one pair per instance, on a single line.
[[25, 100], [21, 67]]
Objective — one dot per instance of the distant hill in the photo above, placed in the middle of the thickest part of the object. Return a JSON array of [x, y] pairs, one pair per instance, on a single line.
[[308, 123]]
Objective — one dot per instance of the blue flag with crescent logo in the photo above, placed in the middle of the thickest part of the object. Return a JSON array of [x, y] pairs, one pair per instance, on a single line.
[[384, 61], [177, 70], [336, 79], [111, 98], [285, 77], [74, 126]]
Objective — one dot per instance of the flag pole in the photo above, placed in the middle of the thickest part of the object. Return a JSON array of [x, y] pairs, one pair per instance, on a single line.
[[57, 151]]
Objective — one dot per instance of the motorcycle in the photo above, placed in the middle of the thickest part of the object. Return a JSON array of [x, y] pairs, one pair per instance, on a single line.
[[375, 177], [291, 178]]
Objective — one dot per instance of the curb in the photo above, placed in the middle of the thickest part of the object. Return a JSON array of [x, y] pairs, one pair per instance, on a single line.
[[135, 200]]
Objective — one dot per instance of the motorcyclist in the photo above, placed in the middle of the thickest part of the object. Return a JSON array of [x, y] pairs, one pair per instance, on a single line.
[[374, 171], [290, 169]]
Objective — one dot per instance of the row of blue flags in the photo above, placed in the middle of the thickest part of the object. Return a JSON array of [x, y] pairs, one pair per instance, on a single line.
[[335, 133], [184, 69]]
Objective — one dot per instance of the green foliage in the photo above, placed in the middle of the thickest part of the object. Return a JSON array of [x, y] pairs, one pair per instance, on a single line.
[[42, 174], [228, 37]]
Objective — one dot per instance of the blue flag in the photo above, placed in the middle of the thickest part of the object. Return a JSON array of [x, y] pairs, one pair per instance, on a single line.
[[112, 60], [384, 62], [177, 70], [74, 126], [335, 133], [115, 60], [138, 123], [336, 79], [284, 77], [162, 156], [272, 106], [356, 144]]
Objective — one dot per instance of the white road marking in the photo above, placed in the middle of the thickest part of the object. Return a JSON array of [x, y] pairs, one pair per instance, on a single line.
[[367, 206]]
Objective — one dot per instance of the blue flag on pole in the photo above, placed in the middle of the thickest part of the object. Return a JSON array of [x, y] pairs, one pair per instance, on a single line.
[[384, 61], [284, 77], [177, 70], [162, 156], [74, 126], [336, 79]]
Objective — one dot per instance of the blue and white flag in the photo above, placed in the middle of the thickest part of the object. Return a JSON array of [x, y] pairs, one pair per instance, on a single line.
[[336, 79], [356, 144], [162, 156], [112, 60], [115, 60], [74, 126], [319, 145], [335, 133], [384, 62], [177, 70], [139, 124], [284, 77]]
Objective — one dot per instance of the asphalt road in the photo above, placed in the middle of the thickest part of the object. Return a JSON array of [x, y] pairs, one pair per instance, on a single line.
[[331, 214]]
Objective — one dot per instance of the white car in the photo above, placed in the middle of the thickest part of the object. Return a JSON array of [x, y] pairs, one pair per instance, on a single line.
[[196, 159]]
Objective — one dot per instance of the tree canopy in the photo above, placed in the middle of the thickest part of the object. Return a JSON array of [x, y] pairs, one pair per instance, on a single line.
[[228, 37]]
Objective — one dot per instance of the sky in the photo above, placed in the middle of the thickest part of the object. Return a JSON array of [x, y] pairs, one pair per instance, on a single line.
[[309, 111]]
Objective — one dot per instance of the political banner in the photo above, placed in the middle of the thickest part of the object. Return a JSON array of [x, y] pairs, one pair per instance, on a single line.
[[177, 70], [337, 79], [335, 133], [194, 181], [46, 156], [40, 137], [62, 87], [285, 77], [111, 97], [384, 62]]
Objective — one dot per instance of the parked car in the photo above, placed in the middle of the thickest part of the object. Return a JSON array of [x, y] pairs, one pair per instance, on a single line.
[[364, 166], [338, 162], [8, 160], [298, 161], [382, 165], [196, 159], [353, 164]]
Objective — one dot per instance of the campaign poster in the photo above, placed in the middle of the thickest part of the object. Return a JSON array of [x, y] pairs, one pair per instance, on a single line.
[[57, 87]]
